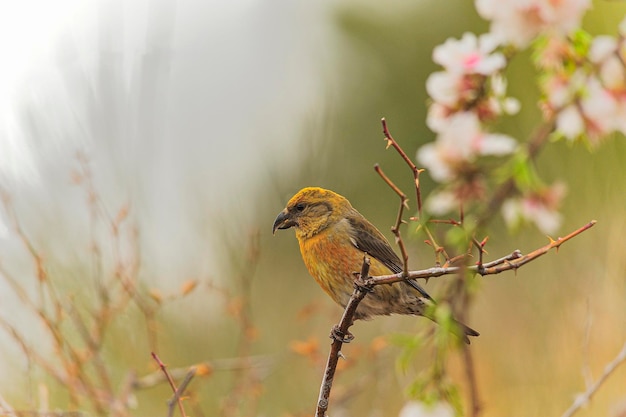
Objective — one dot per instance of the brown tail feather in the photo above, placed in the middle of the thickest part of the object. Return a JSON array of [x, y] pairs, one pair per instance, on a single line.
[[467, 331]]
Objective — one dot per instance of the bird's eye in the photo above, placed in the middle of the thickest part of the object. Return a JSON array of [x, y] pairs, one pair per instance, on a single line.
[[300, 206]]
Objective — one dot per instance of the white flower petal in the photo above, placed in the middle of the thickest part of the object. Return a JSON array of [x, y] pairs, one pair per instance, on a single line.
[[512, 212], [444, 88], [429, 157], [488, 42], [497, 144], [600, 108], [548, 221], [601, 48], [612, 73], [570, 123], [437, 117], [441, 203], [490, 64]]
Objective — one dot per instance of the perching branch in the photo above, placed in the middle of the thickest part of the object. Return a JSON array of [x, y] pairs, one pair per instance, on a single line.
[[341, 335], [362, 287], [512, 261]]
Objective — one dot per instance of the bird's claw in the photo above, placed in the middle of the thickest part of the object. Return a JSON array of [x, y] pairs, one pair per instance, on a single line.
[[340, 336], [358, 284]]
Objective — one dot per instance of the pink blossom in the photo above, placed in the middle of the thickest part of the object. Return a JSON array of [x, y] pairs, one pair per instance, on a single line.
[[562, 90], [539, 207], [453, 92], [470, 81], [519, 21], [570, 122], [458, 143], [556, 50], [597, 110], [470, 55], [607, 96], [584, 106], [600, 110], [612, 74], [604, 53]]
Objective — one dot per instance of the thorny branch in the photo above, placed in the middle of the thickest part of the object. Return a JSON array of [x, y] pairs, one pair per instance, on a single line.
[[337, 335], [512, 261]]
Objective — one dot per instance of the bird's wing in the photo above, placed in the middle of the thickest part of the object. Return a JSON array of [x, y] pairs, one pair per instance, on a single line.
[[369, 239]]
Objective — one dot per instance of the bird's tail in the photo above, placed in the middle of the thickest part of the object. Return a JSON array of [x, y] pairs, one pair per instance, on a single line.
[[466, 331], [461, 330]]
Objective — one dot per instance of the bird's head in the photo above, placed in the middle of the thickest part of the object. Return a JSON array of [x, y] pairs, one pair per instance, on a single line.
[[312, 210]]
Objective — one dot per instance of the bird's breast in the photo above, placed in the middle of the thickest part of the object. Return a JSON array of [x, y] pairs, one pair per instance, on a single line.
[[332, 261]]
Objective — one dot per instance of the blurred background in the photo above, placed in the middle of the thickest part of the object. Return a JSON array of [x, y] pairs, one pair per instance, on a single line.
[[192, 123]]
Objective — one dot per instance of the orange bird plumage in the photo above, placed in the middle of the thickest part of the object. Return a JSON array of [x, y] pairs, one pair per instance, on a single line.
[[333, 238]]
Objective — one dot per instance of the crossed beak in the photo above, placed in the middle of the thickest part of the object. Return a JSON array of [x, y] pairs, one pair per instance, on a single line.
[[283, 221]]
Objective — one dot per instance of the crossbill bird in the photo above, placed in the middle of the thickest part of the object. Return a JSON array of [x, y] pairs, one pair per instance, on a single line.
[[333, 238]]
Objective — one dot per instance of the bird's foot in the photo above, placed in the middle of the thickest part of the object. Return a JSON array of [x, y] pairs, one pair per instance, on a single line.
[[358, 284], [340, 336]]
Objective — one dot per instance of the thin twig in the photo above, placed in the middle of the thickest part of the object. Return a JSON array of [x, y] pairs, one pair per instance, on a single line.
[[173, 386], [416, 171], [395, 229], [78, 380], [178, 394], [481, 251], [229, 364], [92, 347], [439, 250], [32, 354], [584, 398]]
